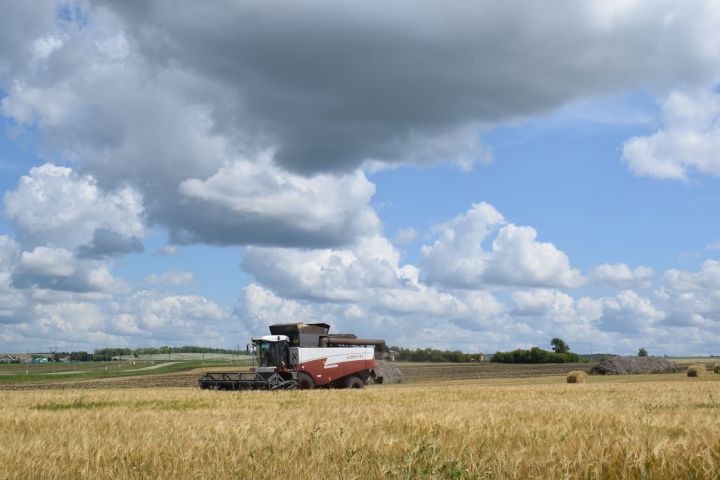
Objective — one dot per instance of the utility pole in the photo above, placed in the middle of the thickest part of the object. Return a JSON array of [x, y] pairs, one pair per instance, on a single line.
[[53, 350]]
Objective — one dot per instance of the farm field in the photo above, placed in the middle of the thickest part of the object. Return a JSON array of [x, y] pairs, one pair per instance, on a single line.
[[124, 364], [709, 361], [14, 377], [185, 374], [146, 374], [651, 426], [39, 368], [421, 371]]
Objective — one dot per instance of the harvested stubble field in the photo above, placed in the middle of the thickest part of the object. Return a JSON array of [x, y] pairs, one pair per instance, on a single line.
[[652, 426], [461, 371]]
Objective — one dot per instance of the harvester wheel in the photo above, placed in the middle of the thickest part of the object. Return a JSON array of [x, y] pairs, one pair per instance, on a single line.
[[353, 382], [305, 381]]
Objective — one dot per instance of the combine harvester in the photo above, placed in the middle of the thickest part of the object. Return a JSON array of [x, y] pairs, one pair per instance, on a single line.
[[305, 356]]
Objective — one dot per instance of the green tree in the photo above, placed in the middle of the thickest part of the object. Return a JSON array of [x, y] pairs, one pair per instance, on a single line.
[[642, 352], [534, 355], [432, 355], [559, 346]]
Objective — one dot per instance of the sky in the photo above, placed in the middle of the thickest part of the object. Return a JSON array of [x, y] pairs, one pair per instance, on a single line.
[[472, 175]]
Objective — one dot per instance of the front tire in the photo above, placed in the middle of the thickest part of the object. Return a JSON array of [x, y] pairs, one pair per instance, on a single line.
[[305, 381], [353, 382]]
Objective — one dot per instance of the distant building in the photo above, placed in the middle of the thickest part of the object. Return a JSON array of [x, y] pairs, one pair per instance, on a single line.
[[8, 359]]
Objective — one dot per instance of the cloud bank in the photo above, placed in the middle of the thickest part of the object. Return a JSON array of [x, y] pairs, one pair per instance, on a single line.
[[247, 124]]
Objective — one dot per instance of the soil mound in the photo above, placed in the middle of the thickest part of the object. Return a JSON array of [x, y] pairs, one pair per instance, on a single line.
[[387, 372], [634, 365]]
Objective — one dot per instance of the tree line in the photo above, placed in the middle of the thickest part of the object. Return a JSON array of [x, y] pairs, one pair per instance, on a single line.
[[433, 355], [107, 354], [560, 354], [183, 349], [534, 355]]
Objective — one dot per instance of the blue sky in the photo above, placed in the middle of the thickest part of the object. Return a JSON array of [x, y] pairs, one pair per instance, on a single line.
[[565, 176], [469, 179]]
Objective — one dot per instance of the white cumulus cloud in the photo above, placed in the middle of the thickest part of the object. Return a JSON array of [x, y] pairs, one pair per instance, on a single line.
[[47, 261], [259, 195], [693, 298], [544, 302], [688, 140], [459, 258], [622, 276], [54, 205], [628, 312]]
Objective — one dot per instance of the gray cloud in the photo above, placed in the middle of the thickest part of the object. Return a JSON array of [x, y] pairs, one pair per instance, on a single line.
[[245, 122], [162, 96], [331, 84], [25, 23], [77, 282], [108, 243]]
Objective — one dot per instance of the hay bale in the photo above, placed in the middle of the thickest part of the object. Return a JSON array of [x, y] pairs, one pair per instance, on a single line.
[[696, 370], [577, 376], [717, 368]]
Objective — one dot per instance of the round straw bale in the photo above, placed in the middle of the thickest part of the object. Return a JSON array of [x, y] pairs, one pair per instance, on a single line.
[[696, 370], [577, 376], [717, 368]]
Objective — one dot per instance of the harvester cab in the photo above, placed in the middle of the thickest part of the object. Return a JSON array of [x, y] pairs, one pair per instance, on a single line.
[[271, 352], [304, 356]]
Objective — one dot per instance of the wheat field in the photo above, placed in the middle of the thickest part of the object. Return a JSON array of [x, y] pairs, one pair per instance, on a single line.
[[641, 427]]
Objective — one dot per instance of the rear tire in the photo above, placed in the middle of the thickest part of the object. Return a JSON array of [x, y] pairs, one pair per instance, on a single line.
[[353, 382]]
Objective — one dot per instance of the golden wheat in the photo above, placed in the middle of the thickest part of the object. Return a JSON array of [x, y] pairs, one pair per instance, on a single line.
[[658, 427]]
